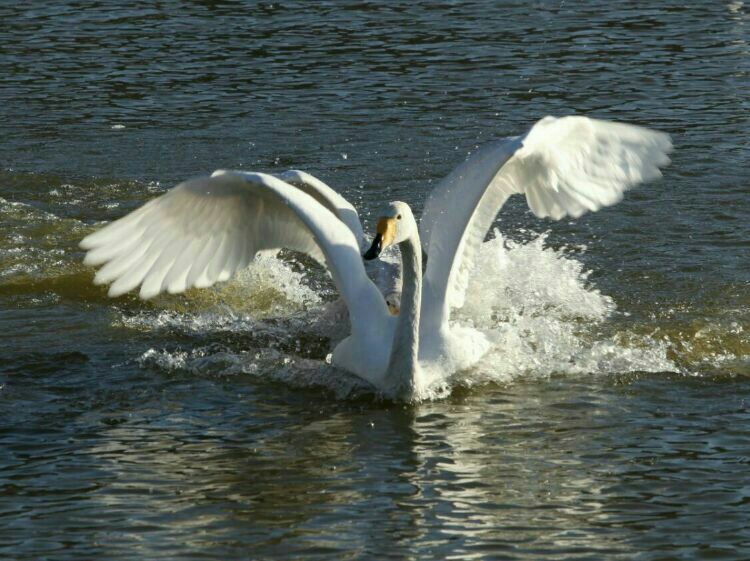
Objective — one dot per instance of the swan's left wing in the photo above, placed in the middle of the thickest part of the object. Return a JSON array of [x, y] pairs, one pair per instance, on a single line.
[[207, 229], [564, 167]]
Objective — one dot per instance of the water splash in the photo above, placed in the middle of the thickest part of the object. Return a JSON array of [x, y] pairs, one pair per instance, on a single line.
[[33, 242], [266, 364], [514, 280], [544, 317], [268, 288], [535, 304]]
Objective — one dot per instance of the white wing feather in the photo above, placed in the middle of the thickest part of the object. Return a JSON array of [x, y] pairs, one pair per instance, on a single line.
[[207, 229], [564, 166]]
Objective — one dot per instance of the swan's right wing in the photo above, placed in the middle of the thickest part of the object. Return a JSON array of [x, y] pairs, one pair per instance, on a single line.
[[207, 229], [329, 198], [564, 167]]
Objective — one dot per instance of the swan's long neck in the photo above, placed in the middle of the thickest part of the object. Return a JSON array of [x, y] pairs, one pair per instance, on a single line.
[[403, 367]]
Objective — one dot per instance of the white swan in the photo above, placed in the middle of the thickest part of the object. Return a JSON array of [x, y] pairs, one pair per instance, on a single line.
[[206, 229]]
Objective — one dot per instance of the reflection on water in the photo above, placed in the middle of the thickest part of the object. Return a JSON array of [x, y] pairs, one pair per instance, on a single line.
[[609, 421], [525, 471]]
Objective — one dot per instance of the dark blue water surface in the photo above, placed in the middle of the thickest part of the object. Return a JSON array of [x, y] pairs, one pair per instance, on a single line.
[[614, 422]]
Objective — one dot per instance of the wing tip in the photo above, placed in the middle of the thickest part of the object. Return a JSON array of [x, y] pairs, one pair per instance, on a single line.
[[114, 292], [148, 293], [90, 260]]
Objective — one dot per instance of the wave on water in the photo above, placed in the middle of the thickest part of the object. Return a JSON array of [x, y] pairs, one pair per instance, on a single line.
[[280, 318], [34, 242], [284, 327], [535, 303]]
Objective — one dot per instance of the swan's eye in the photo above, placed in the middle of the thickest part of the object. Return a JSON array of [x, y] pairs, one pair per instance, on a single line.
[[398, 217], [388, 302]]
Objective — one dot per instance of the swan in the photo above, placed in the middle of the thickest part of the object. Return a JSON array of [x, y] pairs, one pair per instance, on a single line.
[[206, 229]]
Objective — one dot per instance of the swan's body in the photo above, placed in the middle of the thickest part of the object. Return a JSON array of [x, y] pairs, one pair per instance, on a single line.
[[206, 229]]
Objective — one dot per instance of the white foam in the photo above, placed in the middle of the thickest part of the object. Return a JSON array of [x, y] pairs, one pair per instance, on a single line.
[[269, 364], [543, 316], [32, 241], [514, 280]]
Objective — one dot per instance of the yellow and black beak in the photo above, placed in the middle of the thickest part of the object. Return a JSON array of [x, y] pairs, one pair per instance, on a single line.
[[375, 248], [386, 233]]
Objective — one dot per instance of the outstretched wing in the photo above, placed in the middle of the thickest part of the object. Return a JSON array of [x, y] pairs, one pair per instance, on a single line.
[[207, 229], [564, 166]]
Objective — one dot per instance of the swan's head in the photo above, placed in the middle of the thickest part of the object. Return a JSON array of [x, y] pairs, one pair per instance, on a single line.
[[395, 225]]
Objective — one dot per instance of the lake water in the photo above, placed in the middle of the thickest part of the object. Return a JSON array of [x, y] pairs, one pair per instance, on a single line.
[[611, 420]]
